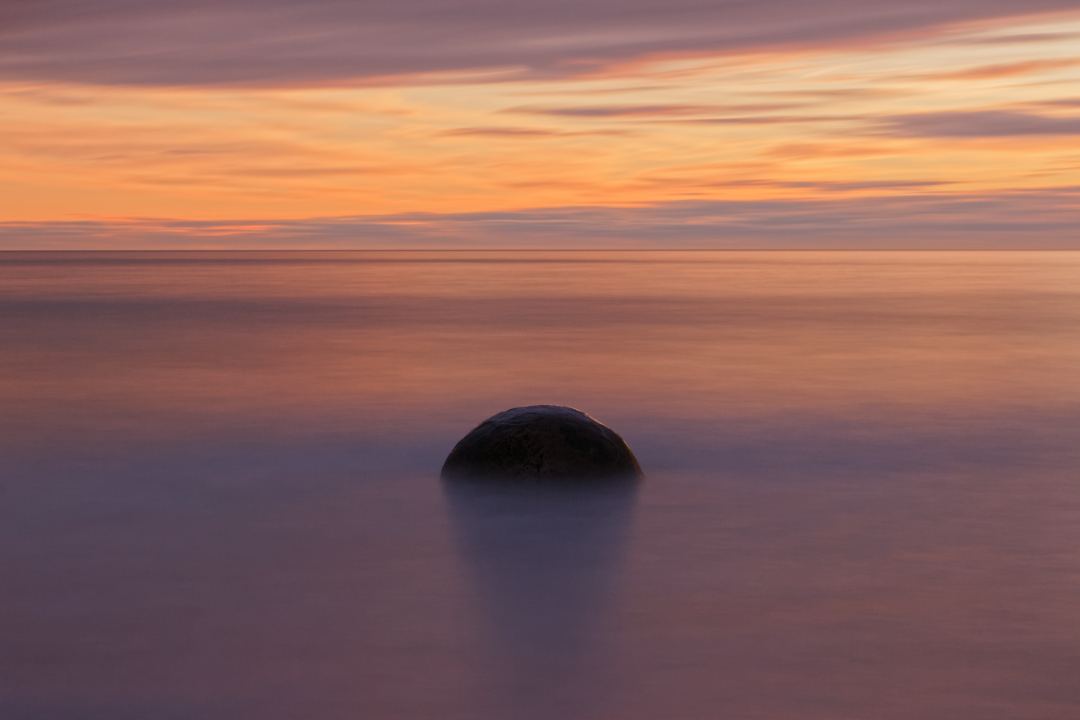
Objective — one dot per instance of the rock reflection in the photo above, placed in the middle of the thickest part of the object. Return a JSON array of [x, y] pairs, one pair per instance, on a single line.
[[542, 560]]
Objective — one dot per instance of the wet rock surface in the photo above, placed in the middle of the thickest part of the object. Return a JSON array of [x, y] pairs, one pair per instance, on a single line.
[[541, 443]]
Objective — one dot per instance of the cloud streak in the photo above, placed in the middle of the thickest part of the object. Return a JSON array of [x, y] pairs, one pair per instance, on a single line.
[[724, 123], [1045, 219], [980, 124], [284, 43], [616, 111]]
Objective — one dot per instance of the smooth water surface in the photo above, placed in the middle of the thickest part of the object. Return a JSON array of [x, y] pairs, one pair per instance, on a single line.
[[219, 493]]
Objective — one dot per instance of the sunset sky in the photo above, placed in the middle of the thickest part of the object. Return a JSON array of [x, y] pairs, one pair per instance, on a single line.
[[473, 123]]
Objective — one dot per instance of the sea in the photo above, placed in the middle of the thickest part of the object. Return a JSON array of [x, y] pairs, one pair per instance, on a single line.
[[220, 494]]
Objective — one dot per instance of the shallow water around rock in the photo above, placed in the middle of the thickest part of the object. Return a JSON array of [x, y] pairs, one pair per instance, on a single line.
[[221, 500]]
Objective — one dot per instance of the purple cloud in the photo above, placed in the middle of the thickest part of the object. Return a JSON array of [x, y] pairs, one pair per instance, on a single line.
[[606, 111], [1043, 219], [286, 42], [981, 124], [518, 133], [684, 114]]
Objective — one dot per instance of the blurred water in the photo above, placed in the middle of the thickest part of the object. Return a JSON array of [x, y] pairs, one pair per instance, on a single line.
[[219, 494]]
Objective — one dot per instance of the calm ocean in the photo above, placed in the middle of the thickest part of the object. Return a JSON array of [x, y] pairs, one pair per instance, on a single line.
[[219, 492]]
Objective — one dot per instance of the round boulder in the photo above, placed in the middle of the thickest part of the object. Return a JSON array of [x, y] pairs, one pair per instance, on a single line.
[[541, 443]]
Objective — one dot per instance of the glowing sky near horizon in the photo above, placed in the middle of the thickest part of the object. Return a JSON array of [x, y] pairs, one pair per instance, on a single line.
[[956, 115]]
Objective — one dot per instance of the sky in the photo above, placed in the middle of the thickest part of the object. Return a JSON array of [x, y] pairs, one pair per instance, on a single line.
[[130, 124]]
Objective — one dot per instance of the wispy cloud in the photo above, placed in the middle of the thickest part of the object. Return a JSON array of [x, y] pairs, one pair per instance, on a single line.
[[1044, 219], [1026, 37], [615, 111], [285, 43], [1003, 70], [980, 124], [701, 114], [496, 132], [271, 109]]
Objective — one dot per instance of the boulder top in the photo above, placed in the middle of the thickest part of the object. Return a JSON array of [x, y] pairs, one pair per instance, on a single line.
[[541, 443]]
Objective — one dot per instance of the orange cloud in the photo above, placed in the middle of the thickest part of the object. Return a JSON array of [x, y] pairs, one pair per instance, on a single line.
[[795, 124]]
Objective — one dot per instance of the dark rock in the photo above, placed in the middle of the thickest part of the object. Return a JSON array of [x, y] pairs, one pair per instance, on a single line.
[[541, 443]]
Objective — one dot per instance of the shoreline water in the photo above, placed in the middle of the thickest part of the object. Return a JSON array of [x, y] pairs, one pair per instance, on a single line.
[[222, 497]]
